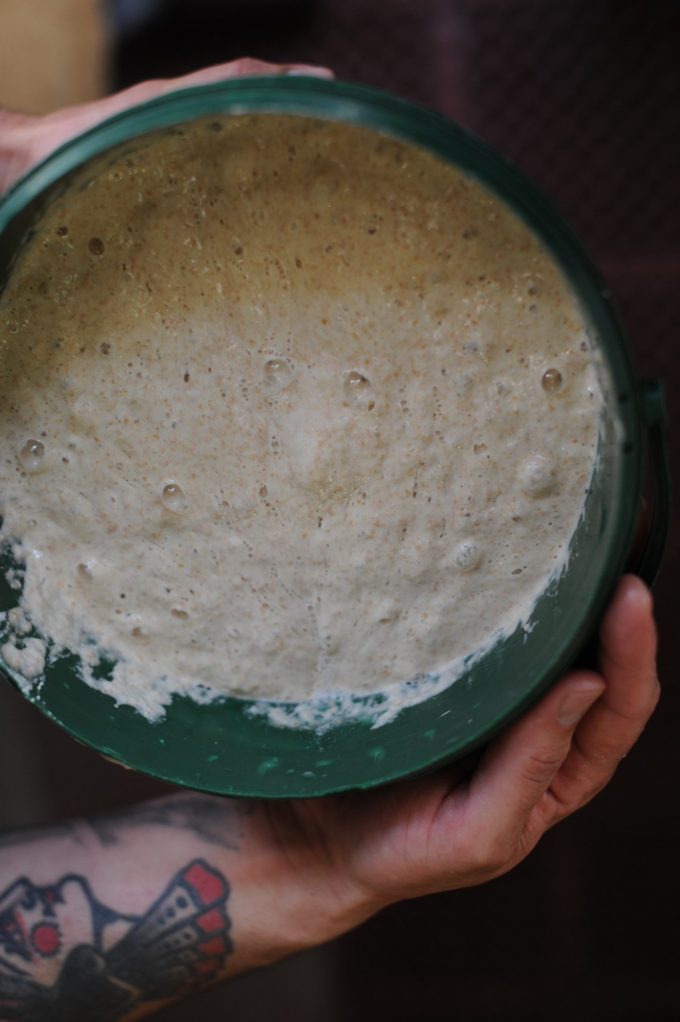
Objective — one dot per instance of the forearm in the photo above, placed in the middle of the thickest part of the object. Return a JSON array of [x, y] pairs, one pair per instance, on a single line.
[[123, 913]]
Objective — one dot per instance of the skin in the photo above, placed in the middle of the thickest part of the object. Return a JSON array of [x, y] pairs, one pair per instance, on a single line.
[[302, 872], [26, 140], [455, 830]]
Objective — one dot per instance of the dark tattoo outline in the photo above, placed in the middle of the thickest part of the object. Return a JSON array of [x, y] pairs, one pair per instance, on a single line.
[[219, 822], [180, 942]]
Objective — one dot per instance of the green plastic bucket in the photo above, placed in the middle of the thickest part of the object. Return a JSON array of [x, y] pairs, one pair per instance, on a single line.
[[220, 747]]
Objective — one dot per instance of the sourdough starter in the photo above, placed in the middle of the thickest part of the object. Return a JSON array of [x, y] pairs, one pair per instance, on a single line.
[[289, 410]]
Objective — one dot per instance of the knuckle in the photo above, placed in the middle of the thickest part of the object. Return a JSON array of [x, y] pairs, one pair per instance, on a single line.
[[491, 854], [541, 766], [593, 790], [585, 795], [249, 66], [573, 794]]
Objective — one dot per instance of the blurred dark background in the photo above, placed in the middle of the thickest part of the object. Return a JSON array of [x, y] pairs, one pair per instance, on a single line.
[[585, 96]]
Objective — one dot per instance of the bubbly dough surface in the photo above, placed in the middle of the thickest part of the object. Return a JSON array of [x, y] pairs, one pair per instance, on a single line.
[[287, 407]]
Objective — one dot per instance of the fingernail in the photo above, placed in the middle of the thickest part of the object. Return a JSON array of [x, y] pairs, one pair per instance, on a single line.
[[636, 591], [575, 705], [310, 72]]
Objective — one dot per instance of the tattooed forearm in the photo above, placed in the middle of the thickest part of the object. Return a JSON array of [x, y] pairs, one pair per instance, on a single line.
[[217, 821], [67, 957]]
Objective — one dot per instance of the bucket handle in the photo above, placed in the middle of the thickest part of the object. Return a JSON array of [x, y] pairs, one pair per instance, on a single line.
[[653, 405]]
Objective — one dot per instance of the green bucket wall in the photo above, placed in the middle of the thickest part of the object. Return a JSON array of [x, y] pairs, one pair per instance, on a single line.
[[219, 748]]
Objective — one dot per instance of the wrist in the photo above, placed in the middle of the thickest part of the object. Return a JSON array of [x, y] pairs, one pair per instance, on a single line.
[[285, 897]]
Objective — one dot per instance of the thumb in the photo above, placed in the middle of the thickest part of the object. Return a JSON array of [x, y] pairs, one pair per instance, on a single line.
[[519, 767]]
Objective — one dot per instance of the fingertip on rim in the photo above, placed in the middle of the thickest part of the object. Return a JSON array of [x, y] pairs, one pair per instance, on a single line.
[[304, 71], [633, 590]]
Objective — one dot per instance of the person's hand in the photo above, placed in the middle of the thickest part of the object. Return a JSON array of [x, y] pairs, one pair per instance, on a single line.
[[256, 881], [26, 139], [456, 829]]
